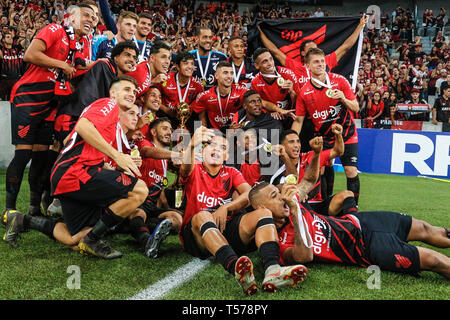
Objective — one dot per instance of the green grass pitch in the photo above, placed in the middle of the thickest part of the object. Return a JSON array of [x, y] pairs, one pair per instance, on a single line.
[[40, 269]]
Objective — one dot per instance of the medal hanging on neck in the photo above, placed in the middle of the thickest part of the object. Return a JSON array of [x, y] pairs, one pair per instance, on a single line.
[[280, 79], [327, 85], [237, 75], [200, 66], [219, 100], [142, 52], [182, 98]]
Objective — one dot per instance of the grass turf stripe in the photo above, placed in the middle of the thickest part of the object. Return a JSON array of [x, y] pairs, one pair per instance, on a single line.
[[173, 280]]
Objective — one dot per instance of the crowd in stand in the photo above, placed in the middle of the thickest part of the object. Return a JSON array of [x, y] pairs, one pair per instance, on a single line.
[[393, 62]]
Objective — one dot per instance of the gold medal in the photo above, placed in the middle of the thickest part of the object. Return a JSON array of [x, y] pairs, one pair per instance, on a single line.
[[329, 93], [178, 198], [151, 116], [165, 182], [280, 81], [291, 179], [203, 82], [164, 83], [135, 152], [267, 147]]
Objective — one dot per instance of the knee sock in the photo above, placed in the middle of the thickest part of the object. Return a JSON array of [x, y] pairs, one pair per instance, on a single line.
[[353, 186], [45, 179], [106, 222], [139, 230], [14, 176], [227, 258], [37, 169], [349, 206], [46, 226], [269, 254], [329, 176]]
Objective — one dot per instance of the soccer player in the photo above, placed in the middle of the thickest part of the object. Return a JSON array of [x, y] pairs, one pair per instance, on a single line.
[[126, 30], [95, 85], [153, 71], [143, 29], [91, 195], [328, 98], [206, 59], [209, 226], [277, 85], [253, 116], [49, 57], [181, 86], [344, 200], [244, 70], [363, 238], [217, 106], [111, 116], [155, 160], [298, 66]]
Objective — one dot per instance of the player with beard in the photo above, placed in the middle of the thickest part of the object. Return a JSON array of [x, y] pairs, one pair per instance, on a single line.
[[213, 225], [181, 86], [94, 198], [95, 85], [155, 157], [50, 57], [244, 70], [252, 115], [217, 106], [362, 239], [276, 85], [328, 98], [206, 59], [153, 71]]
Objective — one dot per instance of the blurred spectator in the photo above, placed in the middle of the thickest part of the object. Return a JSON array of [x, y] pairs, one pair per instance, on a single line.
[[11, 64], [441, 108], [415, 99]]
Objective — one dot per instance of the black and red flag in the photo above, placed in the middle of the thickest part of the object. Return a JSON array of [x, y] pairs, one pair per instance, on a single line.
[[327, 32]]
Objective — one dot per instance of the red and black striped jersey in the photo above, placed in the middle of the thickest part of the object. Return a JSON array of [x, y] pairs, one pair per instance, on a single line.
[[272, 91], [325, 111], [12, 65], [71, 166], [334, 240], [57, 47]]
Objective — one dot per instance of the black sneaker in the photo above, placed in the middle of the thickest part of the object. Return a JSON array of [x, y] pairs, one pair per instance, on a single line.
[[13, 221], [98, 248], [160, 233]]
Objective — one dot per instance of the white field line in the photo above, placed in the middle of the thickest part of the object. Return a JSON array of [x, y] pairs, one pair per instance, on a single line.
[[171, 281]]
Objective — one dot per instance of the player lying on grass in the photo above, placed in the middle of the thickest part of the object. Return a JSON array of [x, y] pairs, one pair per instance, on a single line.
[[363, 238], [213, 224], [78, 224]]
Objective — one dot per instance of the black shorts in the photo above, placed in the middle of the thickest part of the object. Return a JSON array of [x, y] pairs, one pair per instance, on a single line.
[[31, 106], [321, 207], [83, 208], [64, 125], [151, 210], [231, 233], [385, 235], [350, 156]]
